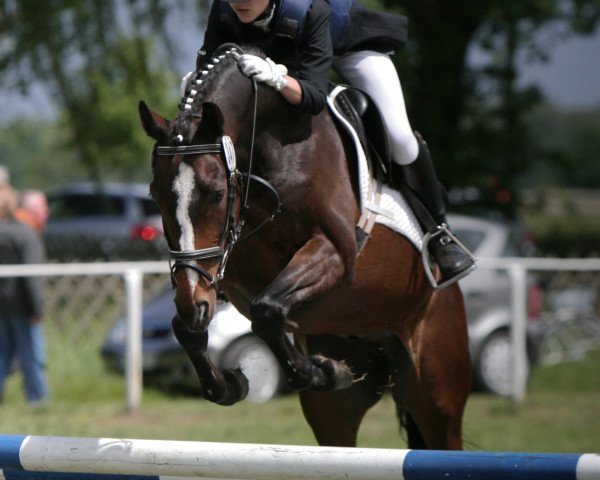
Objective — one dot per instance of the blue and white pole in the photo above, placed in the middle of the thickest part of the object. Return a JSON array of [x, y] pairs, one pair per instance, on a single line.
[[63, 458]]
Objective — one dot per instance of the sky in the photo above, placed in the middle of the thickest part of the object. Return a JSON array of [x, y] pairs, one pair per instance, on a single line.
[[571, 80]]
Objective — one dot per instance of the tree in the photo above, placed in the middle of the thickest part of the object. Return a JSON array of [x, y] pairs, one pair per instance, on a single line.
[[103, 116], [570, 143], [97, 58], [31, 151], [473, 117]]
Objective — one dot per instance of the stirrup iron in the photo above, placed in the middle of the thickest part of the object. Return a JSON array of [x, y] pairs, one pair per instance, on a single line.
[[429, 266]]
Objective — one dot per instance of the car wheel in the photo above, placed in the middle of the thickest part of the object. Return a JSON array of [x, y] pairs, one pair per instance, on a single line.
[[493, 369], [259, 365]]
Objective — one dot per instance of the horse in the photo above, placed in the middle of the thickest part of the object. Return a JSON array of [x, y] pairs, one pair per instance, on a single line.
[[247, 181]]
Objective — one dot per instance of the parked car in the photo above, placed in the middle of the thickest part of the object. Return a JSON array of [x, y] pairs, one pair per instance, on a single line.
[[232, 343], [487, 294], [111, 221]]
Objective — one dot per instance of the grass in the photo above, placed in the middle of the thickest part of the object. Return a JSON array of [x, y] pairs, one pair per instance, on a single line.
[[561, 412]]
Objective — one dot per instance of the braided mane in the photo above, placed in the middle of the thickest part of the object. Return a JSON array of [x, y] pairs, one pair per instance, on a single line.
[[200, 83]]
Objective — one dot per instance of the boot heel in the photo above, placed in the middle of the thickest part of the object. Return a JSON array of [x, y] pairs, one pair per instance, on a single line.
[[429, 266]]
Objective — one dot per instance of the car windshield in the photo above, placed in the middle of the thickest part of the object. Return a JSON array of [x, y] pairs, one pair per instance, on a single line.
[[470, 238], [84, 205], [150, 207]]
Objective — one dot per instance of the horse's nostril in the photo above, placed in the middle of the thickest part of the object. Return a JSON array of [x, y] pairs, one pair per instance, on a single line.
[[202, 308], [201, 318]]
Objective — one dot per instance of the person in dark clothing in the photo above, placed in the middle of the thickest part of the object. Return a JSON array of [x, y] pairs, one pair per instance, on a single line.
[[303, 40], [21, 307]]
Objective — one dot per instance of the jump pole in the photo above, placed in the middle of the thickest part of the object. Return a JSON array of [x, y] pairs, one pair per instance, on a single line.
[[65, 458]]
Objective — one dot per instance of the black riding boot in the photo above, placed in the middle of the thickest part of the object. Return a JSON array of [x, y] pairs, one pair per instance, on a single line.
[[453, 260]]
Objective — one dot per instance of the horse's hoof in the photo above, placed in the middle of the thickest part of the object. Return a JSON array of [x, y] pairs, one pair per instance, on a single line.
[[338, 375], [237, 387]]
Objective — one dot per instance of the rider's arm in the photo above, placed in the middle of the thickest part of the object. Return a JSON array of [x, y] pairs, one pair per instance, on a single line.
[[307, 82], [216, 33], [316, 50], [292, 92], [298, 69]]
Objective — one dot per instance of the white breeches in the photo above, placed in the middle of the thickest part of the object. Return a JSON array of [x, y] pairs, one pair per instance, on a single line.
[[375, 74]]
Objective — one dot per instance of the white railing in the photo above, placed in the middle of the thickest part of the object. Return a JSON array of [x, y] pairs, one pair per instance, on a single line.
[[132, 273], [517, 269]]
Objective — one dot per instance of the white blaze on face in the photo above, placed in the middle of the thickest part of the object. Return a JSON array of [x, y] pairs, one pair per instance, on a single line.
[[183, 186]]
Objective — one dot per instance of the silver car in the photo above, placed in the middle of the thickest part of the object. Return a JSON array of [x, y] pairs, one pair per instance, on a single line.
[[487, 294]]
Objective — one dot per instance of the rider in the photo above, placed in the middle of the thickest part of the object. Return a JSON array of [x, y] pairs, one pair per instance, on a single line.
[[303, 39]]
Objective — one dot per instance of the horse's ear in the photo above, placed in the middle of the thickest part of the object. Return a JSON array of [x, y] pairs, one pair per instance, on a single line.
[[212, 120], [155, 125]]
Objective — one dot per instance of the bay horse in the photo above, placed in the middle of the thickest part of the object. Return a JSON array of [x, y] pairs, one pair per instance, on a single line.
[[245, 179]]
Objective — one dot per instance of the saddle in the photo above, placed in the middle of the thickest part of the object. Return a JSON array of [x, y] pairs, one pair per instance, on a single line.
[[361, 119], [366, 119]]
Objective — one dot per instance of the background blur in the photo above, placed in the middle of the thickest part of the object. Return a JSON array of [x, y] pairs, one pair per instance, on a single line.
[[507, 95]]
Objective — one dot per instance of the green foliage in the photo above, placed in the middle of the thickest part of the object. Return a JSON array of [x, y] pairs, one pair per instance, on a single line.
[[70, 358], [566, 235], [474, 116], [115, 144], [97, 59], [563, 222], [569, 147], [33, 152]]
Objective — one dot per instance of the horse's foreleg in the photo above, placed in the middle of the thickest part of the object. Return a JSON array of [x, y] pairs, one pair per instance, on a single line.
[[315, 269], [223, 387]]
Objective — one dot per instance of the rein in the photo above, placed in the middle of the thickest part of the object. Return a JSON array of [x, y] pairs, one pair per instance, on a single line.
[[188, 259]]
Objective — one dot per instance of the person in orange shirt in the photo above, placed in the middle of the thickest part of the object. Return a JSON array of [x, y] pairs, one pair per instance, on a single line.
[[33, 210]]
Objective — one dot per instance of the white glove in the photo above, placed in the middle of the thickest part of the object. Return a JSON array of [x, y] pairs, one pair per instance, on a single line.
[[264, 70], [184, 82]]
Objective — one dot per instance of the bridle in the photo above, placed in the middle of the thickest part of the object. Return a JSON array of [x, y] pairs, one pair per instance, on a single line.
[[188, 258]]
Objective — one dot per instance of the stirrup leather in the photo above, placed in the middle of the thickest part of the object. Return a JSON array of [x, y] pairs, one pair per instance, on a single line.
[[429, 266]]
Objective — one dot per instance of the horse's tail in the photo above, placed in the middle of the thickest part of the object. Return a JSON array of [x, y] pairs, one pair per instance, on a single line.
[[407, 422]]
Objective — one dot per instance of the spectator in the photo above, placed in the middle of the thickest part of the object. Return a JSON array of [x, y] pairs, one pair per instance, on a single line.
[[21, 332], [33, 210]]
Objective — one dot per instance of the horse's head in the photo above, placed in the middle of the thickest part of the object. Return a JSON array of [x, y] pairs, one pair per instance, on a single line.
[[197, 185]]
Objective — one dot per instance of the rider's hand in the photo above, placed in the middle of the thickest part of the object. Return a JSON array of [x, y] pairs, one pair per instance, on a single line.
[[264, 70]]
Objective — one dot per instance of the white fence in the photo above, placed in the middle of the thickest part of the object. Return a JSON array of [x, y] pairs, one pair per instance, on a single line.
[[518, 268], [133, 272]]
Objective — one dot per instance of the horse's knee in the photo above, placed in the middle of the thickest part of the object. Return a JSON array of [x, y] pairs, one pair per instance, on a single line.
[[267, 316]]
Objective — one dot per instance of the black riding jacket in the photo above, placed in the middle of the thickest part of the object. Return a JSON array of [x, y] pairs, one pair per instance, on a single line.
[[308, 58]]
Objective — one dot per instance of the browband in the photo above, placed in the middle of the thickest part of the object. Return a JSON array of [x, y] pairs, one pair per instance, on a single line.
[[189, 149]]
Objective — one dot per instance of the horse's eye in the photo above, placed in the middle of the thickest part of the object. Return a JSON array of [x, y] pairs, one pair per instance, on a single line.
[[218, 196]]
